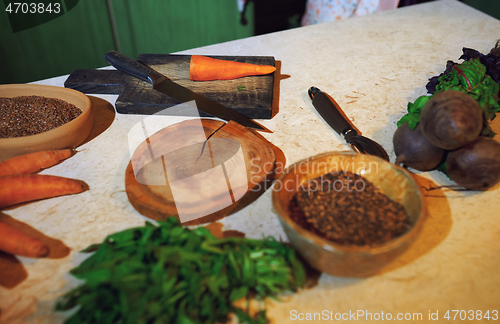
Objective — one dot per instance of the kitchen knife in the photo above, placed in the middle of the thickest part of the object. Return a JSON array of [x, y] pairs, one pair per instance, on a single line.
[[166, 86], [330, 111]]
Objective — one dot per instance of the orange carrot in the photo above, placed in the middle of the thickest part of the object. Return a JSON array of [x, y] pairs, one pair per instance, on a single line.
[[32, 162], [17, 189], [204, 68], [16, 242]]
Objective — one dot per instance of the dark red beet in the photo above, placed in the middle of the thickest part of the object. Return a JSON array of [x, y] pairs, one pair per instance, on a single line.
[[414, 150], [451, 119], [477, 165]]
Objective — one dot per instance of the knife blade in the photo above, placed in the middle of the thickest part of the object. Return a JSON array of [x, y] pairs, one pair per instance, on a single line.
[[330, 110], [166, 86]]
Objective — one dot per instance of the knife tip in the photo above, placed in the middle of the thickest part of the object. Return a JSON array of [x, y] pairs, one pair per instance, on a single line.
[[262, 129]]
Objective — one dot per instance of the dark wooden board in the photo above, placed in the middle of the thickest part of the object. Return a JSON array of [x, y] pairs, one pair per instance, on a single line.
[[251, 96]]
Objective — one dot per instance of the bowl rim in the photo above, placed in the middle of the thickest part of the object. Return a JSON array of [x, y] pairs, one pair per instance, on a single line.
[[326, 244], [86, 111]]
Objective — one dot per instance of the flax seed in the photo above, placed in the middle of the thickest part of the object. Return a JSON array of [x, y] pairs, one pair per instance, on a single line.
[[348, 209], [30, 115]]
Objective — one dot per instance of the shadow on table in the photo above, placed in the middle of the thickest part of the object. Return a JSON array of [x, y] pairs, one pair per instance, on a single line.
[[276, 88], [435, 229], [104, 115]]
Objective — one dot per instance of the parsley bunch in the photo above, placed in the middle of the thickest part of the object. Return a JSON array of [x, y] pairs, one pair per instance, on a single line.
[[171, 274]]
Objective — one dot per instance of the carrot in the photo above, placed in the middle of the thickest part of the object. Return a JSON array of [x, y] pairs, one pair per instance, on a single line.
[[16, 242], [204, 68], [32, 162], [17, 189]]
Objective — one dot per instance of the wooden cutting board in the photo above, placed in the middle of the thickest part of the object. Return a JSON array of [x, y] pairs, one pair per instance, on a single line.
[[226, 173], [251, 96]]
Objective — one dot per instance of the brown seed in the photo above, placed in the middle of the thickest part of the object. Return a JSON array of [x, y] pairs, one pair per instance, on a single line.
[[30, 115], [348, 209]]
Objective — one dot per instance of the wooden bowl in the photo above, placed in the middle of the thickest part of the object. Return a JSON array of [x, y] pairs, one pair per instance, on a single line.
[[349, 260], [68, 135]]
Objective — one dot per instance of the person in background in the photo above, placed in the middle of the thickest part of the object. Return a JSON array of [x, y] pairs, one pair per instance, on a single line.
[[320, 11]]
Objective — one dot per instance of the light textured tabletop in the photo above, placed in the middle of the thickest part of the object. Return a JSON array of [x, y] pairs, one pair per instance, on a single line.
[[373, 66]]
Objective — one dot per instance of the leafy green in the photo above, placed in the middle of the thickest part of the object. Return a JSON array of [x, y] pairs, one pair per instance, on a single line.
[[171, 274], [443, 169], [462, 77], [414, 109], [469, 77], [491, 60]]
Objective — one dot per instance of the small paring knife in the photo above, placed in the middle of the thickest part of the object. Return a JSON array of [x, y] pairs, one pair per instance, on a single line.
[[166, 86], [331, 113]]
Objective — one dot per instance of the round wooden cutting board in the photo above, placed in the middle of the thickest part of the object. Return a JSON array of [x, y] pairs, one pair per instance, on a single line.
[[200, 171]]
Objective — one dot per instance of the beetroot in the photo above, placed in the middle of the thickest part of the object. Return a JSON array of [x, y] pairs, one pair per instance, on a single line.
[[451, 119], [476, 165], [414, 150]]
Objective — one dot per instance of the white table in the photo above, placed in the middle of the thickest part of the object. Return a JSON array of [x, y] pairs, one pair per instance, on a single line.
[[373, 66]]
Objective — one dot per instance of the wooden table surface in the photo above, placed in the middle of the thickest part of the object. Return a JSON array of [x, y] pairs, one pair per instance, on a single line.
[[373, 66]]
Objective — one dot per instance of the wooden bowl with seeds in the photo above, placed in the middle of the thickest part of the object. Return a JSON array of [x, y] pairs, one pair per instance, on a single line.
[[349, 214], [39, 117]]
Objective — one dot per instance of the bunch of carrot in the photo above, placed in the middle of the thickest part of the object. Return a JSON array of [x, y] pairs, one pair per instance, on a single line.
[[18, 184]]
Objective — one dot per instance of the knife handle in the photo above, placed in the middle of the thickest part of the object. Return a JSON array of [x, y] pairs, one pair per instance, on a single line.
[[128, 65], [330, 111]]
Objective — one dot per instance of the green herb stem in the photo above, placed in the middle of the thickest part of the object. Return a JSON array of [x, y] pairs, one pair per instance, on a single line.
[[171, 274]]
